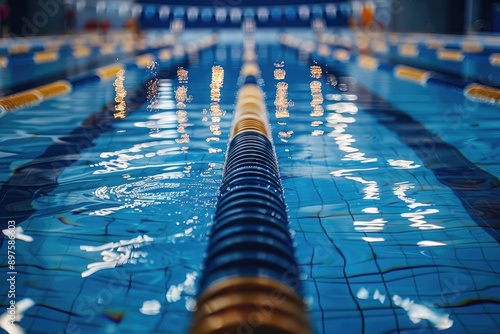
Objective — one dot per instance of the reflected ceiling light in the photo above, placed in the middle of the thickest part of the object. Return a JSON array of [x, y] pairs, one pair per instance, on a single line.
[[136, 10], [192, 13], [80, 5], [331, 11], [235, 15], [263, 14], [123, 9], [221, 15], [429, 243], [304, 13], [164, 12], [100, 7]]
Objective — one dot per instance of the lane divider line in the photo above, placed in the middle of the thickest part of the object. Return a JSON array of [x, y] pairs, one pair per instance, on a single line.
[[13, 46], [82, 51], [474, 51], [39, 94], [411, 74], [45, 57], [482, 93], [495, 59], [408, 50], [109, 72], [472, 91], [54, 89], [250, 281], [452, 55]]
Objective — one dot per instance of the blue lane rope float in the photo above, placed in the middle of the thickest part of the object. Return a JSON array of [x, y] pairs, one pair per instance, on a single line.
[[250, 281], [470, 90], [34, 96]]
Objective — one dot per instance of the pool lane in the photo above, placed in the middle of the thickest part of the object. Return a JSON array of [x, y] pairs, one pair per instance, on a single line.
[[475, 186], [373, 250], [376, 231], [53, 161], [23, 71], [101, 136], [478, 190]]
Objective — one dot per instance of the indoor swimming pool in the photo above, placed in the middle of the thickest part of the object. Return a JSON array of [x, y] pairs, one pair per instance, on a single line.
[[391, 188]]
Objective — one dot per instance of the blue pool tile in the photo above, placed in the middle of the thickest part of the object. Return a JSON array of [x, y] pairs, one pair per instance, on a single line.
[[336, 296], [379, 321], [342, 321]]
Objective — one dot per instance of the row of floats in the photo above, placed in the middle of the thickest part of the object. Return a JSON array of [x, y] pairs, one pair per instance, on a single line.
[[250, 281], [325, 52], [473, 59], [176, 54], [53, 51]]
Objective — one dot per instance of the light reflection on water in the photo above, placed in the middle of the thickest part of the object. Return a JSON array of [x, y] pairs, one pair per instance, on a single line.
[[215, 110], [400, 189], [317, 99], [417, 218], [281, 101], [340, 123], [117, 254], [153, 190], [165, 97], [122, 159], [182, 98], [174, 291], [170, 125], [379, 209], [19, 234], [402, 164], [152, 86], [12, 327], [371, 189], [316, 71], [416, 312], [121, 93]]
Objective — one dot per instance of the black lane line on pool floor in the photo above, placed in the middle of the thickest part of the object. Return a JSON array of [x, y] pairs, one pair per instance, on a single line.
[[40, 176], [478, 190]]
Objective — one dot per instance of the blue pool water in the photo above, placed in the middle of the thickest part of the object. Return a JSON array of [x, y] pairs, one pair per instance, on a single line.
[[391, 188]]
